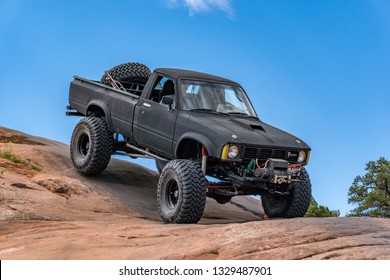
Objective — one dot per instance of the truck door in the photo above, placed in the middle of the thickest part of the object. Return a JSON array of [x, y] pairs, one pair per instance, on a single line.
[[154, 122]]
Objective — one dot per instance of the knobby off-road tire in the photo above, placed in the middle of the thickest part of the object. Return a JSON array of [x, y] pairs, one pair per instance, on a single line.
[[181, 192], [91, 146], [127, 72], [291, 206], [160, 165]]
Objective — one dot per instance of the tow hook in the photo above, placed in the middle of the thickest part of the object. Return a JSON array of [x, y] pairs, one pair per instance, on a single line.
[[280, 179]]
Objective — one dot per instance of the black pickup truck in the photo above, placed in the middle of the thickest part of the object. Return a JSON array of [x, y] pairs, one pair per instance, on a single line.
[[203, 133]]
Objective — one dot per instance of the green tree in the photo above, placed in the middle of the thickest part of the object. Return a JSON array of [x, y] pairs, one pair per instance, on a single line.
[[316, 210], [371, 192]]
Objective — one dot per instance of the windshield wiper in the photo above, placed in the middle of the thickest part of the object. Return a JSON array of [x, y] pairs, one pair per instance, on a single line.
[[208, 111], [242, 114]]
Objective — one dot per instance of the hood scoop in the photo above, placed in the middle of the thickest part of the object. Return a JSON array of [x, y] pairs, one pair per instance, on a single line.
[[257, 127]]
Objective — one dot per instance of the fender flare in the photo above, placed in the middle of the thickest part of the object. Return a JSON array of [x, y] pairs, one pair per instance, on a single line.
[[204, 140], [103, 106]]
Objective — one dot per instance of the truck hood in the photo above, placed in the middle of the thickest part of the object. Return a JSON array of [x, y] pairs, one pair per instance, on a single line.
[[223, 129]]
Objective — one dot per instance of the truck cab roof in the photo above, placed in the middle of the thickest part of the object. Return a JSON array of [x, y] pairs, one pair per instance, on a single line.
[[194, 75]]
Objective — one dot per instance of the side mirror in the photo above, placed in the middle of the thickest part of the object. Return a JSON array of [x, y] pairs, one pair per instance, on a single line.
[[167, 100]]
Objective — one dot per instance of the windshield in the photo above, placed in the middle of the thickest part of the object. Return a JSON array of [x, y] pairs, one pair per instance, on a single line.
[[217, 97]]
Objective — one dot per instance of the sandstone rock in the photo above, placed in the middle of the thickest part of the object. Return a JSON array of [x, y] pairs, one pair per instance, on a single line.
[[52, 212]]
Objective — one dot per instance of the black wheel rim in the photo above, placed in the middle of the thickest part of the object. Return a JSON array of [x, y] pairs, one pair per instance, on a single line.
[[277, 199], [83, 145], [172, 194]]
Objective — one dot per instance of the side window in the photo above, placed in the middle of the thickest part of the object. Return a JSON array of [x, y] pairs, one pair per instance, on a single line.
[[162, 86]]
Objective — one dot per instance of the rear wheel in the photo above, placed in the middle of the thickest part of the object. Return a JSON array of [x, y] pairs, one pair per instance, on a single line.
[[160, 165], [181, 192], [293, 205], [91, 146]]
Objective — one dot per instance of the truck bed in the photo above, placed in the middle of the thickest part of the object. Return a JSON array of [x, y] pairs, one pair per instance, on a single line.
[[117, 105]]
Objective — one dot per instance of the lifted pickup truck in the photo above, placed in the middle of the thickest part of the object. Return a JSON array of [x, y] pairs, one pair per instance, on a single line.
[[203, 133]]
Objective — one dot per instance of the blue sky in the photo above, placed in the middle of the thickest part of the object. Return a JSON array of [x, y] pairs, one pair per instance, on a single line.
[[317, 69]]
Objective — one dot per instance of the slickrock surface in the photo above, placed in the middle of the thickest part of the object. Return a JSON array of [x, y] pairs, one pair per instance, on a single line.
[[49, 211]]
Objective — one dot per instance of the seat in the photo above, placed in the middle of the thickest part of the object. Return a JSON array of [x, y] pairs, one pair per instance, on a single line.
[[168, 89]]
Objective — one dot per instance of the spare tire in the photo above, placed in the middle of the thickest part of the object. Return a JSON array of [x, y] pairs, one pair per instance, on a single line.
[[128, 74]]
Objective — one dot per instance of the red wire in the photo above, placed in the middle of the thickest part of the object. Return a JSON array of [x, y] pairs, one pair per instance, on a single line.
[[265, 164]]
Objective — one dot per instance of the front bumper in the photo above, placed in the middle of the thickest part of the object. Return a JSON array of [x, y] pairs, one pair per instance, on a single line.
[[274, 171]]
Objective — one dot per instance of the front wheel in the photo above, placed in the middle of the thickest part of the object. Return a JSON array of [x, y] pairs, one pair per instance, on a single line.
[[91, 146], [181, 192], [293, 205]]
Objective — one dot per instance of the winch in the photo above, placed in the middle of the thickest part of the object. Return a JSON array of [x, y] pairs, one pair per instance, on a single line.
[[278, 171]]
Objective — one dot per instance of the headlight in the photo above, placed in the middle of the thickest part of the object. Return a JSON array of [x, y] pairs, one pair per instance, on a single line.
[[301, 156], [233, 152]]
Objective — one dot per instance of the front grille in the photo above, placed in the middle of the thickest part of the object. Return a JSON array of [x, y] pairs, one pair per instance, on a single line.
[[280, 154], [263, 154], [292, 156], [250, 153]]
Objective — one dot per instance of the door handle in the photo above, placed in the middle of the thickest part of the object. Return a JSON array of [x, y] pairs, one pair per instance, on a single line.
[[147, 105]]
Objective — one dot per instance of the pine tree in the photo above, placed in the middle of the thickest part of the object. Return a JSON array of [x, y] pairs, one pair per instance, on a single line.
[[316, 210], [371, 192]]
